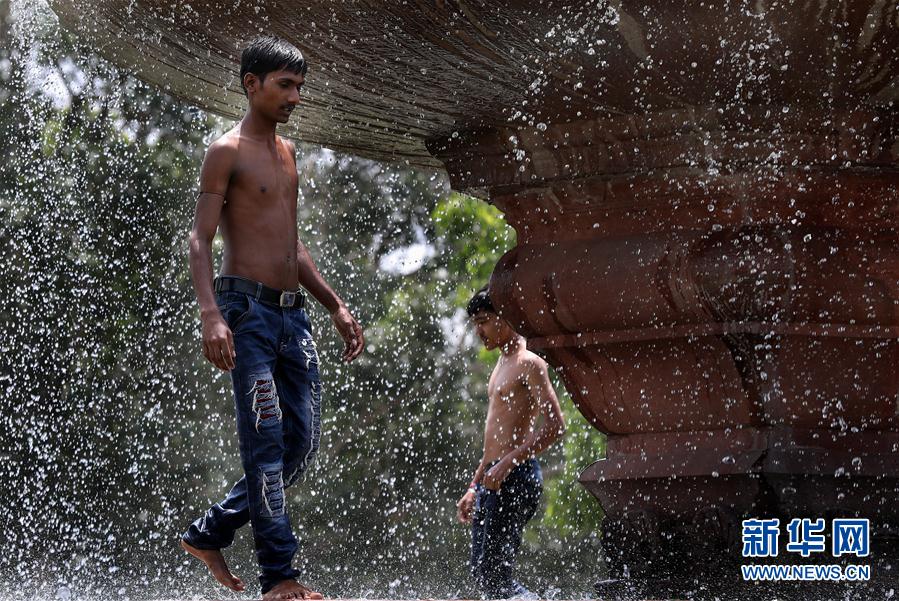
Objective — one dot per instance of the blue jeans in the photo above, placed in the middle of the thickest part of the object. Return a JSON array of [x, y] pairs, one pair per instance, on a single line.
[[496, 527], [277, 398]]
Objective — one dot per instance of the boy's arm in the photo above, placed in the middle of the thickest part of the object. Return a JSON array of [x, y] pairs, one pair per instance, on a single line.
[[310, 279], [536, 379], [478, 475], [553, 427], [218, 343], [465, 505]]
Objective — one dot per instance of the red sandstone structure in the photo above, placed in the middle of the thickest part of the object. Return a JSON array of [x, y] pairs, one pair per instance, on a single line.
[[705, 196]]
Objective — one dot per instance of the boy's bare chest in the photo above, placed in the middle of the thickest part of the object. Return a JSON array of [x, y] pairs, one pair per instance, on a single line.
[[504, 386], [266, 182], [265, 175]]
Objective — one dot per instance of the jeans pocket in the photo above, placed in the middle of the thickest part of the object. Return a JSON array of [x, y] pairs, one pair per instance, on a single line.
[[235, 308], [303, 321]]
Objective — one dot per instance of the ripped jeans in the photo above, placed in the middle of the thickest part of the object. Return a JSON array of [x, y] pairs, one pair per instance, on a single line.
[[277, 397]]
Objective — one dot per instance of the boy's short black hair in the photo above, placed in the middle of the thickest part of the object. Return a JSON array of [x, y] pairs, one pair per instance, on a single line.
[[480, 302], [268, 53]]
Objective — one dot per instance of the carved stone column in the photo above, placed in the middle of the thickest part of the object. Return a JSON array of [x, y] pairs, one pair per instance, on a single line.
[[719, 290]]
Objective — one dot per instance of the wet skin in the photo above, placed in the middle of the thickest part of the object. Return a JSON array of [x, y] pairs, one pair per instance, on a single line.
[[215, 561], [511, 409], [290, 589], [248, 188], [258, 223], [519, 393]]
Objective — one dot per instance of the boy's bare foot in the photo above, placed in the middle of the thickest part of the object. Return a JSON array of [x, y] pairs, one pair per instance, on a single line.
[[215, 561], [290, 589]]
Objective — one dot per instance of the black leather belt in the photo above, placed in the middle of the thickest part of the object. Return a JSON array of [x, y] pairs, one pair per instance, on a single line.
[[283, 298]]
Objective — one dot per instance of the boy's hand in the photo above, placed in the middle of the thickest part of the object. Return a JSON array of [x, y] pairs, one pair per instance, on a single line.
[[218, 343], [495, 476], [350, 331], [465, 507]]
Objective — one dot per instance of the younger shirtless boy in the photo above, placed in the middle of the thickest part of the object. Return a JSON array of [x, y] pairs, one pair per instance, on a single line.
[[506, 487]]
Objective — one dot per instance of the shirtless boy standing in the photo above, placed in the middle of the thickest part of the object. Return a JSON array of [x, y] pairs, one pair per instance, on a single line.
[[506, 487], [254, 322]]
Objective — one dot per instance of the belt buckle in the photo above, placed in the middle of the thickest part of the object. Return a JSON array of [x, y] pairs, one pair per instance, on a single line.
[[287, 298]]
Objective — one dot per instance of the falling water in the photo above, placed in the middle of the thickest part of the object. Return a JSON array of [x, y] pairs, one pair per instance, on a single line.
[[116, 433]]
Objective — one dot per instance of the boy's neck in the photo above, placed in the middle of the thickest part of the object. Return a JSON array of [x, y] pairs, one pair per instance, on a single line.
[[256, 126], [512, 345]]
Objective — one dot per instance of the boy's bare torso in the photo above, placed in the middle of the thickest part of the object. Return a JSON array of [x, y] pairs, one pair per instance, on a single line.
[[258, 222], [512, 410]]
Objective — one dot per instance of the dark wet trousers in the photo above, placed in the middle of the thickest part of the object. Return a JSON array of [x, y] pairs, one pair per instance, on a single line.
[[277, 397], [498, 521]]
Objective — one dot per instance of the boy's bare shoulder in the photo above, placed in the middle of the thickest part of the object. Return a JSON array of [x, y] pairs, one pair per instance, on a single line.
[[532, 358], [289, 144], [225, 145], [219, 164], [531, 361]]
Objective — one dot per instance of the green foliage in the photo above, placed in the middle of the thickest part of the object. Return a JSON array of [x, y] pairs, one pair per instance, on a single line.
[[475, 235], [570, 510]]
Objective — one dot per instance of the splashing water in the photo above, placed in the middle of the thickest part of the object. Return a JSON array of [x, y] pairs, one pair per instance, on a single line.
[[116, 432]]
